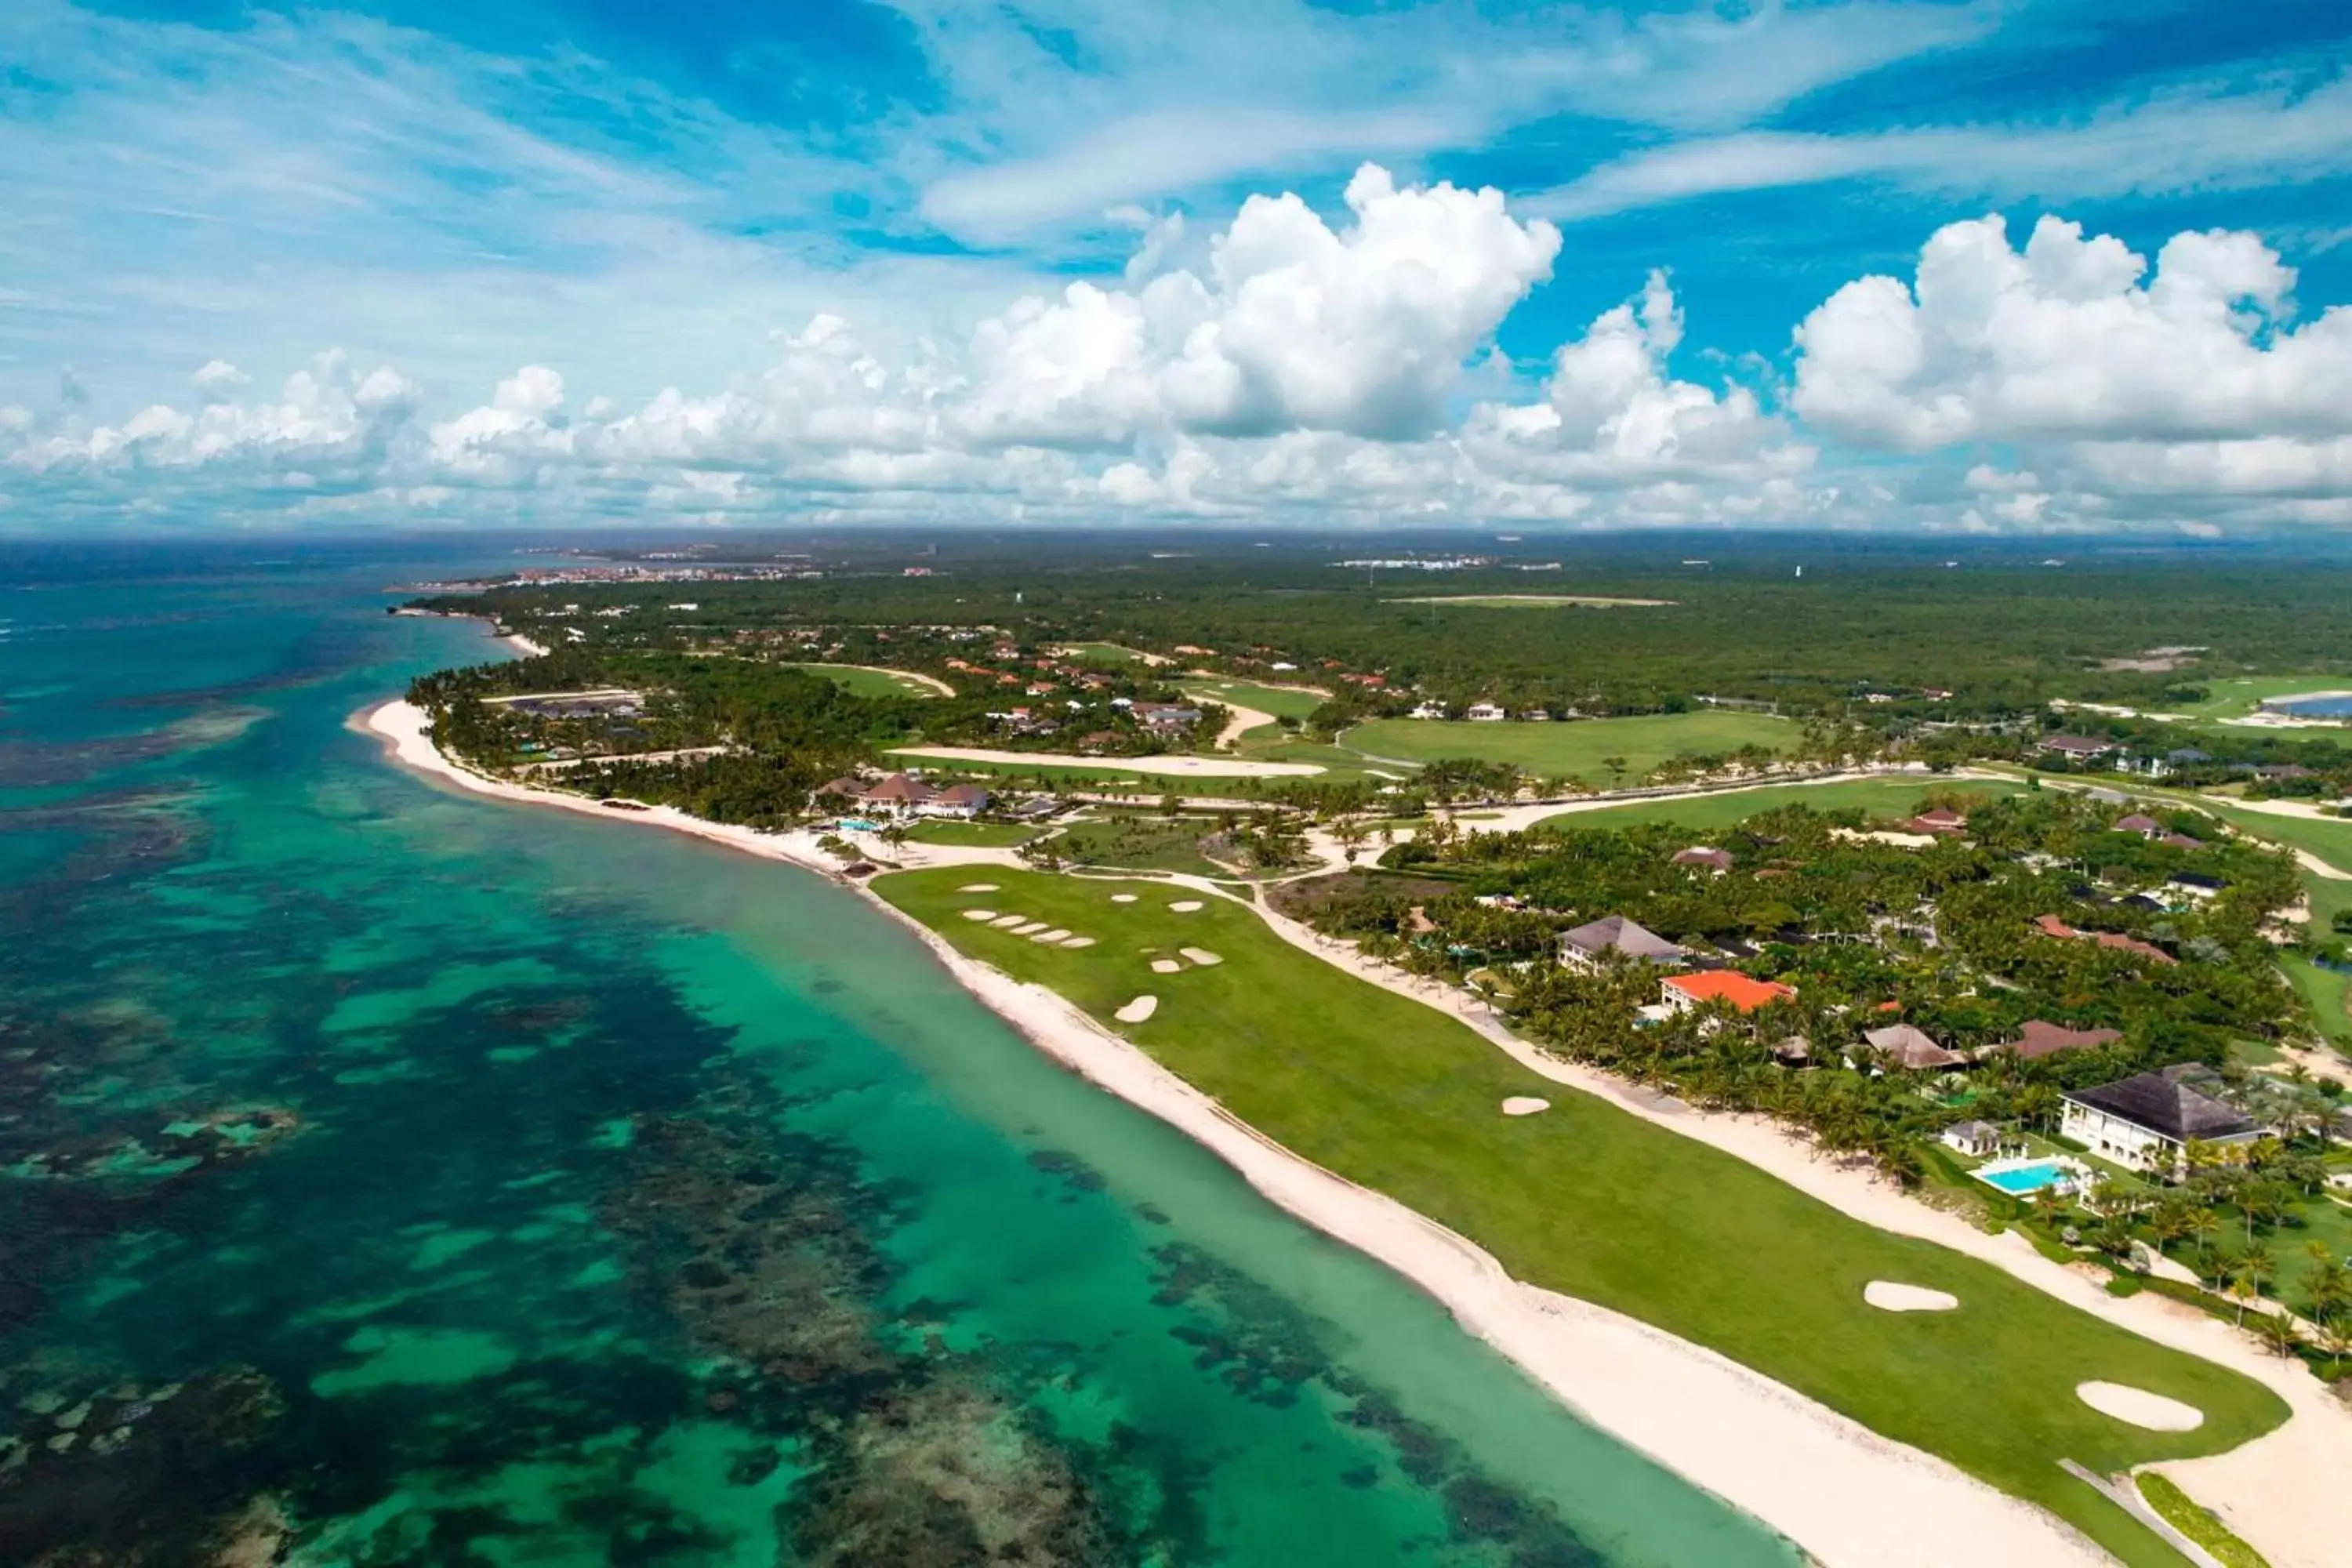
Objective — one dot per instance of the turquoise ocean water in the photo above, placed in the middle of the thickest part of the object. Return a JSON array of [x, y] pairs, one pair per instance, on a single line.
[[390, 1176]]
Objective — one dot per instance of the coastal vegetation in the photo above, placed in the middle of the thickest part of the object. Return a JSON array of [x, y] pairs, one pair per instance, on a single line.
[[1589, 1200]]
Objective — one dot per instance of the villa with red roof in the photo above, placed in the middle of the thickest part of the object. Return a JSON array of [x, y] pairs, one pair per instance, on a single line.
[[1684, 992]]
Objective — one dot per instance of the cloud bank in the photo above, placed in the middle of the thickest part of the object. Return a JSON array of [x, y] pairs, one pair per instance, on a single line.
[[1346, 372]]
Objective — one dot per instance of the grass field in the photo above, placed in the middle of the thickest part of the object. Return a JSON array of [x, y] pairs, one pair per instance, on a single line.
[[1572, 750], [860, 681], [1140, 844], [1878, 797], [971, 835], [1589, 1200], [1277, 700]]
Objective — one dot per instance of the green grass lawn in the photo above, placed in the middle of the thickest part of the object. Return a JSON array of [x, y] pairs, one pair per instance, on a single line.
[[971, 835], [1274, 699], [859, 681], [1879, 797], [1589, 1200], [1572, 750], [1140, 844]]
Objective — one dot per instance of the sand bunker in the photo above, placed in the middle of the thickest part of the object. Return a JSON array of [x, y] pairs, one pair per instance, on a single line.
[[1057, 935], [1029, 928], [1200, 955], [2140, 1408], [1137, 1011], [977, 888], [1165, 966], [1525, 1105], [980, 914], [1010, 921], [1123, 897], [1889, 1297], [1077, 941], [1185, 906]]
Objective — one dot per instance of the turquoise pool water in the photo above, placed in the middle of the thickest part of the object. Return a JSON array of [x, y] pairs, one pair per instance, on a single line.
[[2019, 1180]]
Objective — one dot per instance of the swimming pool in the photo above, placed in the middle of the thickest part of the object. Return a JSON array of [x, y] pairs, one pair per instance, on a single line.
[[2022, 1178]]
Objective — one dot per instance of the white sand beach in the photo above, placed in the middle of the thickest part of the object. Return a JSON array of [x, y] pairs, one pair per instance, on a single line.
[[1850, 1498]]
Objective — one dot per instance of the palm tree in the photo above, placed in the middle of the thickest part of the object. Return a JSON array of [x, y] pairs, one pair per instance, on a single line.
[[2278, 1330]]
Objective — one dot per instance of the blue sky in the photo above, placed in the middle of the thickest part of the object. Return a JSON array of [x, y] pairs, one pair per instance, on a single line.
[[924, 259]]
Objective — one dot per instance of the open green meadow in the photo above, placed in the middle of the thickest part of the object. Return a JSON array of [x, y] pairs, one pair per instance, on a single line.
[[955, 833], [1591, 1201], [860, 681], [1280, 702], [1576, 749], [1703, 812]]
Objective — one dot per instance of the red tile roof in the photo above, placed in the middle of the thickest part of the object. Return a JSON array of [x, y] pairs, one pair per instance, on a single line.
[[1728, 985]]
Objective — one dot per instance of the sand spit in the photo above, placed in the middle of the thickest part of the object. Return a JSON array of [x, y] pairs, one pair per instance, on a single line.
[[1850, 1498]]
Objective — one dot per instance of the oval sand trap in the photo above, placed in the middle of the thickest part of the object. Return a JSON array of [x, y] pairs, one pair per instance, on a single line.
[[1889, 1297], [1165, 966], [1123, 897], [1185, 906], [2140, 1408], [1010, 921], [1077, 941], [1137, 1011], [1200, 955], [1057, 935], [980, 914], [977, 888], [1525, 1105], [1029, 928]]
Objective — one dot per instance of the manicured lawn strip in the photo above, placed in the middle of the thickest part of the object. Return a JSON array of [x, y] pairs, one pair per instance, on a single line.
[[1571, 749], [861, 682], [1274, 699], [971, 835], [2180, 1511], [1886, 797], [1588, 1200], [1140, 844]]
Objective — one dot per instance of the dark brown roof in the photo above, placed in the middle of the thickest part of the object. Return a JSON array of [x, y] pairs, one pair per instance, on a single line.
[[1699, 855], [898, 786], [2163, 1103], [2039, 1037], [963, 795], [2135, 822], [1615, 933]]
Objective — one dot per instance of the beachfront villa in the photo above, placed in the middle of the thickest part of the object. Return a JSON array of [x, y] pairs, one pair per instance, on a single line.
[[1682, 993], [903, 794], [1911, 1048], [1977, 1140], [2147, 1121], [1589, 945]]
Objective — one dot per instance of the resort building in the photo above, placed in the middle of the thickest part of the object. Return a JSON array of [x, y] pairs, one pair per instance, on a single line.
[[1485, 713], [2147, 1121], [2037, 1039], [1589, 945], [1941, 821], [1977, 1140], [1685, 992], [2076, 748], [1911, 1048], [957, 800]]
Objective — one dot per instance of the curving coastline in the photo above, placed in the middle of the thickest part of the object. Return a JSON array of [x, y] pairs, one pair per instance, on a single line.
[[1842, 1493]]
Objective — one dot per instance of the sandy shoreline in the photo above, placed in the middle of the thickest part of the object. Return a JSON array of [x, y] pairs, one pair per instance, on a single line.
[[1846, 1495]]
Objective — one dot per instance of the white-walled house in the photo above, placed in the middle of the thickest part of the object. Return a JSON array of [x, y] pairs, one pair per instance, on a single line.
[[2147, 1121], [1485, 713]]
